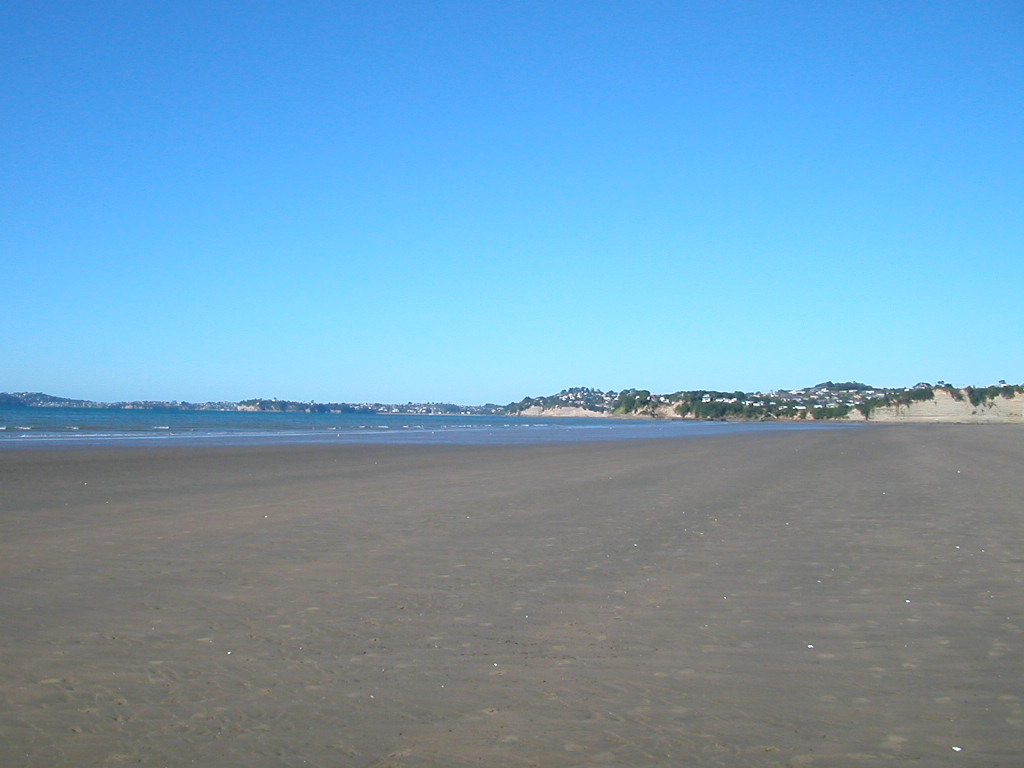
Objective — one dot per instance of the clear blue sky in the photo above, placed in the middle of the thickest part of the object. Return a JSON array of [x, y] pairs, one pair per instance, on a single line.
[[478, 201]]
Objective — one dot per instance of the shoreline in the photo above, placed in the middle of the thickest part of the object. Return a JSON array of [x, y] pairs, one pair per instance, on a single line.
[[555, 431], [822, 597]]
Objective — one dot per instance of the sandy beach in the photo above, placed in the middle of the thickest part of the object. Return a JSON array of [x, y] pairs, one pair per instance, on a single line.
[[846, 597]]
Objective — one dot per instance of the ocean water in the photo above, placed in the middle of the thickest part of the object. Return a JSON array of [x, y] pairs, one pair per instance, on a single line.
[[22, 427]]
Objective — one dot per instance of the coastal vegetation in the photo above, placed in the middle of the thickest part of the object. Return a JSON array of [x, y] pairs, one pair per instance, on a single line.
[[580, 397], [629, 401], [979, 395]]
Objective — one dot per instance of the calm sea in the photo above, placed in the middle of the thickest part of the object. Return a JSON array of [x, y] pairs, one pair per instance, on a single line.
[[89, 426]]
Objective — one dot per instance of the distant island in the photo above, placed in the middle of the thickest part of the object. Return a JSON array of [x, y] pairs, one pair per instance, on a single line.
[[844, 401]]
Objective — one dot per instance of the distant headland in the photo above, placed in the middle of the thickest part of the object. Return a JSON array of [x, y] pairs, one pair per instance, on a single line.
[[263, 405], [842, 401]]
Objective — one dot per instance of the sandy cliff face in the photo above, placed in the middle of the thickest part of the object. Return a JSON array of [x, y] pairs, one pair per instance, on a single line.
[[536, 410], [945, 409], [661, 412]]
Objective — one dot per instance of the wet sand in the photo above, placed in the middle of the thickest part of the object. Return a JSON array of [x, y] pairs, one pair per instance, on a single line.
[[822, 598]]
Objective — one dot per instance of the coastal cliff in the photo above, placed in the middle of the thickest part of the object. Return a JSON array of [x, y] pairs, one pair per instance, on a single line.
[[945, 408], [917, 405], [562, 412]]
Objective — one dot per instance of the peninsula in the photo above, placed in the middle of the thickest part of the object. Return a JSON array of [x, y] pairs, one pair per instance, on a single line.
[[845, 401]]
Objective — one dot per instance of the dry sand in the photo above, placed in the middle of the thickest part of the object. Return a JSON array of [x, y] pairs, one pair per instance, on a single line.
[[823, 598]]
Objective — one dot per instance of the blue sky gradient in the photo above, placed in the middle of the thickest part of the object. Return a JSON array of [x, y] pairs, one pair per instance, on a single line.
[[479, 201]]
